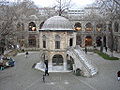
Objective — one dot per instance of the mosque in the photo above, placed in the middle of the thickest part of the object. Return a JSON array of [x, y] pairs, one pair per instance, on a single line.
[[57, 43]]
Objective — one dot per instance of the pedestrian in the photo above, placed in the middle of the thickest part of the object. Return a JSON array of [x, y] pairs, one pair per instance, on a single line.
[[46, 72], [26, 54], [118, 75], [43, 78], [85, 50], [106, 49]]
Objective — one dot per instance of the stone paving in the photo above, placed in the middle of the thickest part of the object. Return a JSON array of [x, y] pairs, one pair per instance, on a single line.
[[24, 77]]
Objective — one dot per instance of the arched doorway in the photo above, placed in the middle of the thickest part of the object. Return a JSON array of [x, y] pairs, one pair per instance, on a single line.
[[32, 26], [57, 60], [98, 41], [88, 41]]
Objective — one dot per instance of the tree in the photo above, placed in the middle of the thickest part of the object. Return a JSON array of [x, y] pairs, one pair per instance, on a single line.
[[111, 11], [62, 6], [9, 15]]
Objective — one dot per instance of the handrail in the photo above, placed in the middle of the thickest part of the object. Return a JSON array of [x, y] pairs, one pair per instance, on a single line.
[[72, 50]]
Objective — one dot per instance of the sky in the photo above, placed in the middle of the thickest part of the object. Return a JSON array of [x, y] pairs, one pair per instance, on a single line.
[[76, 4]]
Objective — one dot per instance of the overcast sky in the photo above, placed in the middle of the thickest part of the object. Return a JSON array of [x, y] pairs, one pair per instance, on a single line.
[[76, 3]]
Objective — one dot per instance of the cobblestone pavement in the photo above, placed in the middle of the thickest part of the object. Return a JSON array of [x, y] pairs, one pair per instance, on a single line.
[[24, 77]]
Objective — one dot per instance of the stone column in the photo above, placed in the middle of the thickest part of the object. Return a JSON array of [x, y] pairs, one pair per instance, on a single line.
[[65, 63], [107, 31], [50, 61], [94, 33]]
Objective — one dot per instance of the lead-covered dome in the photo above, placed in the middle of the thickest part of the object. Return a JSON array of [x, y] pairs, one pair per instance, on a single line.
[[57, 23]]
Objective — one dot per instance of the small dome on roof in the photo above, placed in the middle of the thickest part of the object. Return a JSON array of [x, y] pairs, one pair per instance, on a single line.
[[57, 23]]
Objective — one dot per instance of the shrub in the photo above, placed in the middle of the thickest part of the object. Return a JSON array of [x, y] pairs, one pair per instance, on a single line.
[[105, 56]]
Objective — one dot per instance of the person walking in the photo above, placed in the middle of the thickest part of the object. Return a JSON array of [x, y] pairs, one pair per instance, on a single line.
[[26, 54], [118, 75], [85, 50], [106, 49]]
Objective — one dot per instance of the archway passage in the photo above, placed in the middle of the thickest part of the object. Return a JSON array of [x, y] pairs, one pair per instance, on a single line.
[[57, 60], [32, 41], [88, 41]]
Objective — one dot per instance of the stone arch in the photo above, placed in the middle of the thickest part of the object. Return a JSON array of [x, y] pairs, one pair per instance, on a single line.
[[88, 41], [116, 26], [57, 60], [32, 41], [77, 26], [32, 26], [88, 27], [98, 41]]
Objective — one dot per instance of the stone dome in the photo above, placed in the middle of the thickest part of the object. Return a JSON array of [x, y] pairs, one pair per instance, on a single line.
[[57, 23]]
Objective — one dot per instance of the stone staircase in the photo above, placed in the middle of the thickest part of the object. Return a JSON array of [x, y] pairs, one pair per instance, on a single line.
[[81, 61]]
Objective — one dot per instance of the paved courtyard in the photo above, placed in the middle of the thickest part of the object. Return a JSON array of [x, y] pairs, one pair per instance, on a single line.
[[24, 77]]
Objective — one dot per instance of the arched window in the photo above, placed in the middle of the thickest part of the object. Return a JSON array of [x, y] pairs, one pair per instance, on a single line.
[[20, 26], [57, 60], [32, 26], [44, 41], [116, 27], [57, 42], [88, 27], [77, 26], [71, 42], [99, 27]]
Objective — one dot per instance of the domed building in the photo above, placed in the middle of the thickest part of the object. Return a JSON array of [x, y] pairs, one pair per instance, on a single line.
[[59, 53], [56, 36]]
